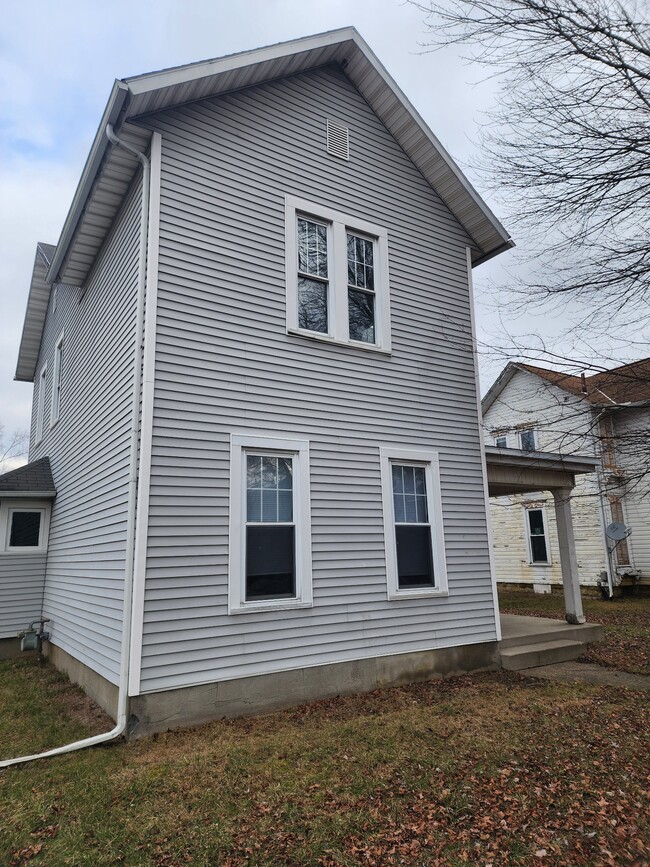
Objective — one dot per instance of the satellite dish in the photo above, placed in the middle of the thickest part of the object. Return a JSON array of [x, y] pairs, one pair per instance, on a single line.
[[617, 531]]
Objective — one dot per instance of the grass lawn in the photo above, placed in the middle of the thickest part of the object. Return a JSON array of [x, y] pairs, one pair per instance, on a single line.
[[488, 769], [627, 621]]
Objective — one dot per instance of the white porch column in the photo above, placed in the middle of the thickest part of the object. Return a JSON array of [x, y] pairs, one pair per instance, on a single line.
[[568, 559]]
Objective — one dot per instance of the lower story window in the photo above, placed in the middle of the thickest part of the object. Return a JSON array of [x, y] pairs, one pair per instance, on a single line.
[[537, 536], [415, 561], [24, 527], [270, 549]]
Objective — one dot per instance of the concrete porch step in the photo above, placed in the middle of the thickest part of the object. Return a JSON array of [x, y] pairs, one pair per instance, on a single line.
[[541, 653], [518, 630]]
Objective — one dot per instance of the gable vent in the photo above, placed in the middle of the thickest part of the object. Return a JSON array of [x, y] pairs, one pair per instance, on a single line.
[[338, 140]]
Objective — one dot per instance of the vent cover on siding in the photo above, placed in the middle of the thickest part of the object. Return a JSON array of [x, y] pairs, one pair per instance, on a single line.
[[338, 140]]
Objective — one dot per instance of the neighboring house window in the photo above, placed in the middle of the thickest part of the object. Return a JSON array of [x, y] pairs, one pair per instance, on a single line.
[[527, 440], [270, 533], [538, 551], [40, 406], [501, 442], [415, 556], [337, 277], [56, 381], [24, 527]]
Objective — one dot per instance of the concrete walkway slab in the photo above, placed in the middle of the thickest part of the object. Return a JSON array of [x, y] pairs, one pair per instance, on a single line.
[[587, 672]]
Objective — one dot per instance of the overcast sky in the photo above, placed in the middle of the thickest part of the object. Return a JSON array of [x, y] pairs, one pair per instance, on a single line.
[[58, 61]]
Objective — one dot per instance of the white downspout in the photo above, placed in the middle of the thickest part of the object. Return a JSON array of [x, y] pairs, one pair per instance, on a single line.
[[122, 701]]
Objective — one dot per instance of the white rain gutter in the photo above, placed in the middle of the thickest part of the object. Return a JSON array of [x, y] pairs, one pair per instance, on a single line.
[[122, 700]]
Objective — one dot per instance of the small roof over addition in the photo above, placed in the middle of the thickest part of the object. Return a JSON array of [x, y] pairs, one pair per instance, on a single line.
[[32, 480]]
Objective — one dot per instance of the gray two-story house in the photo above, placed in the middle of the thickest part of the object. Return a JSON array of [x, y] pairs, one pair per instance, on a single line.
[[255, 395]]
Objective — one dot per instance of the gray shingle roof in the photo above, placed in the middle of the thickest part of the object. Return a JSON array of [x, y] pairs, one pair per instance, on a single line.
[[34, 478]]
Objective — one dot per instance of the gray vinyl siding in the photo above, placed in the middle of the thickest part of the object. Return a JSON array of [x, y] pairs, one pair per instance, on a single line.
[[89, 448], [633, 450], [22, 577], [224, 363]]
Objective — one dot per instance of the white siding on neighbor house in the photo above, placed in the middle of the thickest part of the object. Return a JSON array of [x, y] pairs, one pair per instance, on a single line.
[[22, 577], [564, 424], [224, 363], [89, 448], [633, 454]]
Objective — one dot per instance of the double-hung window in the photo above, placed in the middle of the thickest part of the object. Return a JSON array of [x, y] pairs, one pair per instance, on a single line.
[[337, 277], [56, 381], [538, 551], [40, 405], [270, 545], [414, 539]]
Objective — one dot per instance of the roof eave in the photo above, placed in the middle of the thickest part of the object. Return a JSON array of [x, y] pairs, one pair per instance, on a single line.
[[98, 150]]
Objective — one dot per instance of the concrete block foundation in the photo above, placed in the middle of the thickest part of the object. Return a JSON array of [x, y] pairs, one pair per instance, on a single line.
[[160, 711], [93, 684]]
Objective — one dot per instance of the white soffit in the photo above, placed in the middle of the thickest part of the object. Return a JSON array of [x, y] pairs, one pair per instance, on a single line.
[[37, 301], [109, 170]]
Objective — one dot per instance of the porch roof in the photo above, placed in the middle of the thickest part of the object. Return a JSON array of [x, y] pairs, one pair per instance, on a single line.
[[511, 471]]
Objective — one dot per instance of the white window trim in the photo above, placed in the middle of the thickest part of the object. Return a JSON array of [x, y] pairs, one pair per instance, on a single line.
[[6, 511], [55, 410], [338, 225], [40, 404], [430, 461], [529, 547], [239, 444]]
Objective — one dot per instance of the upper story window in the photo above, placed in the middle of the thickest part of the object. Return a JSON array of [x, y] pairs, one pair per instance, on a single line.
[[270, 536], [40, 405], [337, 277], [501, 441], [56, 381], [415, 557], [527, 440]]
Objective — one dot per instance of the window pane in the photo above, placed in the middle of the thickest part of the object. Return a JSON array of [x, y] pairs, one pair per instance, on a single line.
[[538, 548], [269, 473], [253, 471], [414, 557], [270, 506], [360, 262], [284, 474], [400, 515], [536, 522], [312, 305], [423, 511], [410, 509], [420, 482], [501, 442], [312, 247], [361, 313], [285, 506], [527, 439], [398, 484], [270, 563], [254, 505], [25, 529], [409, 479]]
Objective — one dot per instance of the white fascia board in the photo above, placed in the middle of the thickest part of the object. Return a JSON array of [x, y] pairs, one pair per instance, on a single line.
[[392, 84], [193, 71], [88, 177]]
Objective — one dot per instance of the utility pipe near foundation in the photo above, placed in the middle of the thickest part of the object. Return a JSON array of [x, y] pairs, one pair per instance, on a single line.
[[122, 701]]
